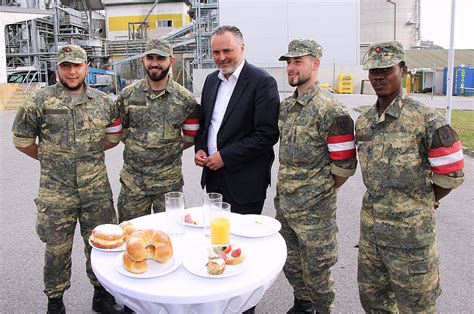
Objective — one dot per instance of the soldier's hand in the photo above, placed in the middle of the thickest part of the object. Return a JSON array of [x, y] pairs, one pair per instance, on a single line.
[[215, 162], [200, 158]]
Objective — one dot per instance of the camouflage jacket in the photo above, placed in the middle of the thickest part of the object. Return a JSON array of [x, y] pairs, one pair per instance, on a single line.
[[70, 139], [401, 153], [156, 125], [316, 141]]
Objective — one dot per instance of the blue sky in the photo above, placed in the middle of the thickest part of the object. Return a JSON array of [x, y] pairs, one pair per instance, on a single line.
[[436, 23]]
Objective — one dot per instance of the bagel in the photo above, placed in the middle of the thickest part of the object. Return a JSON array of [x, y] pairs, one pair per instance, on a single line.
[[107, 236], [147, 244]]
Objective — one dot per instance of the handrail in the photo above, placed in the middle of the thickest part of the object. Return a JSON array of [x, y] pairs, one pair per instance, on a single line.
[[23, 28]]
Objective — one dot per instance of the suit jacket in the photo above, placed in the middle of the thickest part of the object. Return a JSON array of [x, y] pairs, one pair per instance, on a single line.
[[247, 134]]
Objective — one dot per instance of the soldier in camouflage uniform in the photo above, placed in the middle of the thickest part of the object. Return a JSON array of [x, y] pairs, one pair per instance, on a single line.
[[410, 158], [160, 119], [74, 124], [317, 155]]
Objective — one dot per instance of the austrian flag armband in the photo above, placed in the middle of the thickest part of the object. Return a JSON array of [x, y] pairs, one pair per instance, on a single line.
[[445, 155], [340, 141], [115, 127], [191, 127]]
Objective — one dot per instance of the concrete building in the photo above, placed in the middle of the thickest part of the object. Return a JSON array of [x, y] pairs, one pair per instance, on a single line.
[[141, 19], [269, 25], [388, 20]]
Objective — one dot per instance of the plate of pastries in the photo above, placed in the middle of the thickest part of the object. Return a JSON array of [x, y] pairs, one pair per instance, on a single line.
[[218, 261], [148, 254], [110, 237]]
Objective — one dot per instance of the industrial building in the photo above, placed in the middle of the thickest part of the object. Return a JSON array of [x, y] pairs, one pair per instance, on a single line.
[[114, 32]]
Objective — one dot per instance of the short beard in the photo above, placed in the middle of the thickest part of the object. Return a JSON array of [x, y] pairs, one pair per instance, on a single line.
[[71, 88], [299, 82], [156, 77]]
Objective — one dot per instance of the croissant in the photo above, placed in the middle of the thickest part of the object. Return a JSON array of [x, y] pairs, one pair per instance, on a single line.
[[146, 244]]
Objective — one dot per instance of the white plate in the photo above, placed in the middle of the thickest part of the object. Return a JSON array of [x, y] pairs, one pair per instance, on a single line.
[[154, 269], [196, 215], [115, 249], [195, 262], [254, 226]]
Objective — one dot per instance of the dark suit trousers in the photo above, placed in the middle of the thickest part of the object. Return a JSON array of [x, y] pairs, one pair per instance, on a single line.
[[215, 183]]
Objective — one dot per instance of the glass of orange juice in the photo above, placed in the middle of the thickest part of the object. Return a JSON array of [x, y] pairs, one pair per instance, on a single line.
[[220, 222]]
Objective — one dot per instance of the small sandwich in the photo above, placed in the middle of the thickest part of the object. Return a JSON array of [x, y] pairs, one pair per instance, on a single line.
[[235, 255], [215, 266]]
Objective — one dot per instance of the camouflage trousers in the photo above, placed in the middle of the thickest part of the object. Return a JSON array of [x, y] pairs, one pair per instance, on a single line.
[[132, 204], [309, 230], [55, 225], [396, 279]]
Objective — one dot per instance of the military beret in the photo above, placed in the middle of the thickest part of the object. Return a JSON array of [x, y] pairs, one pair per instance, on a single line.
[[73, 54], [384, 55], [302, 47]]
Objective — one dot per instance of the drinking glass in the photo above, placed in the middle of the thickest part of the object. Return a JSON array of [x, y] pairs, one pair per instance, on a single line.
[[207, 200], [174, 207], [220, 222]]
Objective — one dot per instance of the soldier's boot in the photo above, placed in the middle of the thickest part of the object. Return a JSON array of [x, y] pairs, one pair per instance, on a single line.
[[301, 307], [104, 302], [56, 306]]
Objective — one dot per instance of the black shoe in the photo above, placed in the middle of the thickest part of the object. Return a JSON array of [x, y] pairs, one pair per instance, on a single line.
[[104, 302], [250, 310], [301, 307], [56, 306]]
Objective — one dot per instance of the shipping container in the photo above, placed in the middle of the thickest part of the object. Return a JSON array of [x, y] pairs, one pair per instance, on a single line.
[[463, 81]]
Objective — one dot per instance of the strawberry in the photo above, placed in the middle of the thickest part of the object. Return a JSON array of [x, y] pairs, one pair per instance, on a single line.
[[236, 253], [227, 249]]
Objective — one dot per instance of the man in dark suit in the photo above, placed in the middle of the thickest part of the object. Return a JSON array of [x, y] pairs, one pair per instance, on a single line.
[[240, 126]]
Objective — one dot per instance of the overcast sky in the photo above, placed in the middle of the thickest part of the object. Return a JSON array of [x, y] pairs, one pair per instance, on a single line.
[[436, 23]]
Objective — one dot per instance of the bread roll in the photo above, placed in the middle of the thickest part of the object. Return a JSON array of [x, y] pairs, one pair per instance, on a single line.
[[133, 266], [148, 244], [128, 228], [107, 236]]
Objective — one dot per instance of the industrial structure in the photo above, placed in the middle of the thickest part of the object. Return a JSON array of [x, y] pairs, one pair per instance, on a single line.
[[114, 32]]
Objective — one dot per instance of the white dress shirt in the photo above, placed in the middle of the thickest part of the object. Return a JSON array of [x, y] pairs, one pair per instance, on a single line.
[[226, 88]]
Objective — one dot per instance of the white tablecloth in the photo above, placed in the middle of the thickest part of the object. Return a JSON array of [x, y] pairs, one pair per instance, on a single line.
[[184, 292]]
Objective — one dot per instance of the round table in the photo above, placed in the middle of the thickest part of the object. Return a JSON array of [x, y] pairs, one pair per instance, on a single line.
[[183, 292]]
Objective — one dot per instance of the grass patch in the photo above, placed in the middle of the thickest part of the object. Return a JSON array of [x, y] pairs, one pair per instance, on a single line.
[[461, 120]]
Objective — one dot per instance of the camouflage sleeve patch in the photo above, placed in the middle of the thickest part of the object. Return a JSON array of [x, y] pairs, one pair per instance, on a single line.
[[451, 181], [26, 123], [23, 141], [122, 109], [113, 138], [445, 154], [341, 172]]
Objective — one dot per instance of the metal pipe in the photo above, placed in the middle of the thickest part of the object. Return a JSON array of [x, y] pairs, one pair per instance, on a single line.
[[394, 18], [449, 78]]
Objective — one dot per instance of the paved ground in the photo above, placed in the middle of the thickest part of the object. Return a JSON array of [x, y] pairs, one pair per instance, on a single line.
[[21, 252]]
